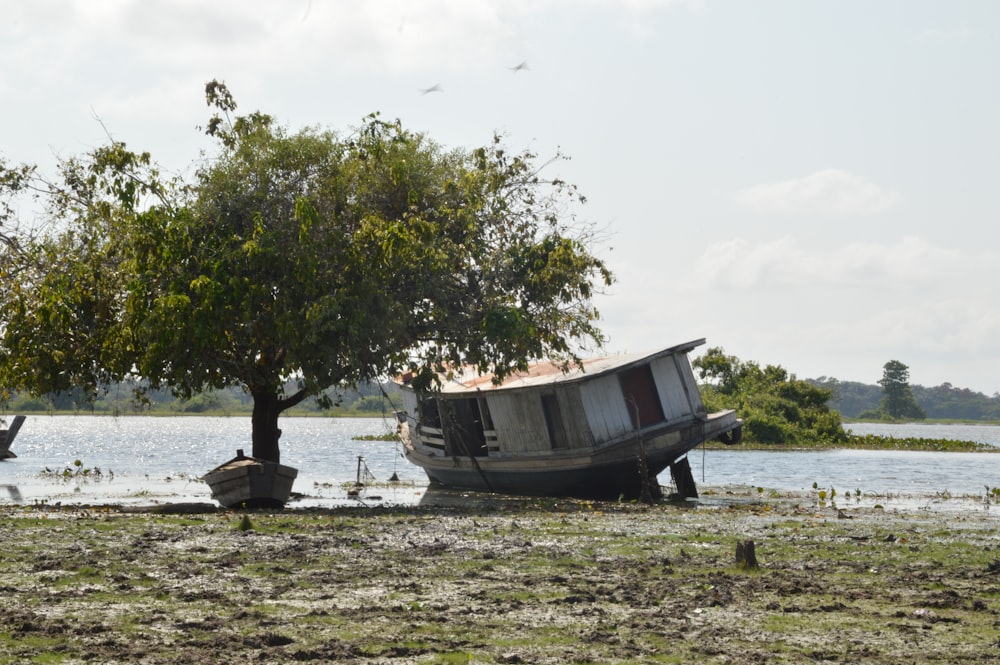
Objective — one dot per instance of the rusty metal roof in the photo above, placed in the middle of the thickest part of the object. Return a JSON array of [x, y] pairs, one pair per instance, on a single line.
[[547, 372]]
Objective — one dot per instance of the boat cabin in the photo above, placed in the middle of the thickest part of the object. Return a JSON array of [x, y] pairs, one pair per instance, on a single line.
[[546, 410]]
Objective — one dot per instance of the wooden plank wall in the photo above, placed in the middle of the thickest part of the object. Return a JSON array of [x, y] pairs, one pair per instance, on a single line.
[[692, 382], [410, 405], [574, 414], [604, 408], [670, 385], [519, 421]]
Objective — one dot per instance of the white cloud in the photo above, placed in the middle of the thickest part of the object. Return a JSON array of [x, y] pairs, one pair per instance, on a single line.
[[377, 35], [373, 36], [909, 262], [827, 192]]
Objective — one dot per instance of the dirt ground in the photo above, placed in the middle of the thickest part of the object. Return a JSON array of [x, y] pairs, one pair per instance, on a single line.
[[507, 581]]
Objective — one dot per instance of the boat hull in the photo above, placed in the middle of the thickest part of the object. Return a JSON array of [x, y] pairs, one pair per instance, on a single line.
[[247, 482], [7, 437], [624, 469]]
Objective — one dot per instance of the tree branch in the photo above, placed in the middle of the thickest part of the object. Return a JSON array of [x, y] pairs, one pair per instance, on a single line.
[[294, 400]]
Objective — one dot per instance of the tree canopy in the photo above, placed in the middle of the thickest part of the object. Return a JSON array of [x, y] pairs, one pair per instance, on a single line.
[[776, 408], [897, 397], [304, 255]]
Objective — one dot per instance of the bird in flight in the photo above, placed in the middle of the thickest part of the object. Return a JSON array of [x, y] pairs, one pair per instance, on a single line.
[[434, 88], [523, 65]]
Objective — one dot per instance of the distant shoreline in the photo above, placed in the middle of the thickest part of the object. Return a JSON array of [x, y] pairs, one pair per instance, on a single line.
[[855, 441]]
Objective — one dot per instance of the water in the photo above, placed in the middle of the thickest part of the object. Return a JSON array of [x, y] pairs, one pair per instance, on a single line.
[[147, 459], [983, 433], [152, 459]]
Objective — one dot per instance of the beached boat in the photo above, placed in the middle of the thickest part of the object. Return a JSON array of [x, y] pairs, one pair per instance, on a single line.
[[249, 482], [7, 437], [605, 430]]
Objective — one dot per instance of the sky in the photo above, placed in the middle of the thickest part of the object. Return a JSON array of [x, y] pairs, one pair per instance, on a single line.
[[804, 183]]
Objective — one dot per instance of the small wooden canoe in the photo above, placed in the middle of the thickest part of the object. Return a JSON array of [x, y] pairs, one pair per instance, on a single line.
[[249, 482]]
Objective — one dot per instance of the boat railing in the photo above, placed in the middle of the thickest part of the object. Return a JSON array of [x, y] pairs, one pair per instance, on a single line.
[[492, 442], [432, 437]]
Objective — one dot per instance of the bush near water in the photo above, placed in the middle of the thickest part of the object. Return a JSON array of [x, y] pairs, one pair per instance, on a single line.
[[776, 408], [780, 410]]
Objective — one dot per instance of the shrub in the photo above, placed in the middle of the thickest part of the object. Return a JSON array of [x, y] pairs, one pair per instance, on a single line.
[[776, 407], [760, 427]]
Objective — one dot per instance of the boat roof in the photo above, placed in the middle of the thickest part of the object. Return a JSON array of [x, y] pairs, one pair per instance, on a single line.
[[547, 372]]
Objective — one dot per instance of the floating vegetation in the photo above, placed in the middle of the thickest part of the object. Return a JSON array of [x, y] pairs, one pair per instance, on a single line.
[[878, 442], [822, 495], [77, 472], [184, 477], [870, 442], [352, 486], [387, 436], [992, 494]]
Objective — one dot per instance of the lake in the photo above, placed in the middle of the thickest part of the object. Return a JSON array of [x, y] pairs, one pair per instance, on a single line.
[[960, 432], [144, 459]]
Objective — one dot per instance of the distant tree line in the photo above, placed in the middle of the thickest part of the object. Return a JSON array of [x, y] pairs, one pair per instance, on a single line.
[[776, 406], [120, 399], [945, 402]]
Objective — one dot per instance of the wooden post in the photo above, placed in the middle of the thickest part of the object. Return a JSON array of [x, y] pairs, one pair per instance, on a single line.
[[746, 555], [680, 471]]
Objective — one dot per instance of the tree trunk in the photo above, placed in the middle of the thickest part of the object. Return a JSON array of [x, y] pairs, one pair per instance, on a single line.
[[266, 407]]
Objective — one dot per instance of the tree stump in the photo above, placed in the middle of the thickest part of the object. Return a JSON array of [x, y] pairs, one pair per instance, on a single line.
[[746, 555]]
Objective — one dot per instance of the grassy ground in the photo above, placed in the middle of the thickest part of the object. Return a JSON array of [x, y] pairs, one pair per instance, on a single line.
[[508, 581]]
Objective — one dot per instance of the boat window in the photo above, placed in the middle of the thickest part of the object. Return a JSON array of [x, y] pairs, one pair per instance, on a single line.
[[641, 397]]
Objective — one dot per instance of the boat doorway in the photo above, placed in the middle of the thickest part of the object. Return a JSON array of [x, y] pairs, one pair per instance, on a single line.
[[464, 427], [554, 422], [639, 390]]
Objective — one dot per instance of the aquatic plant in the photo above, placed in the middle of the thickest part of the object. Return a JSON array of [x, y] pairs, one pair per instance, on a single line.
[[822, 495], [387, 436], [879, 442], [78, 471]]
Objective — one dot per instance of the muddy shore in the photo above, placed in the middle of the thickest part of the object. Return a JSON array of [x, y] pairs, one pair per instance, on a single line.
[[906, 580]]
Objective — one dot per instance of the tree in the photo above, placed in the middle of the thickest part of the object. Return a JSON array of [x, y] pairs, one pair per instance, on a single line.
[[303, 256], [775, 406], [897, 397], [14, 181]]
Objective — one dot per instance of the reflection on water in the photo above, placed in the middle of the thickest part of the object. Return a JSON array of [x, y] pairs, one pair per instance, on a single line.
[[148, 459]]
